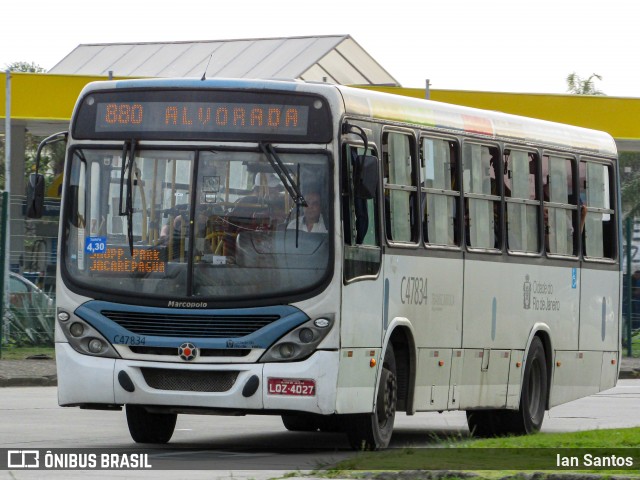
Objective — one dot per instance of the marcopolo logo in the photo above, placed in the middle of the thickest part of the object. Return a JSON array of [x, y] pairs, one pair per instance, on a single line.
[[173, 303]]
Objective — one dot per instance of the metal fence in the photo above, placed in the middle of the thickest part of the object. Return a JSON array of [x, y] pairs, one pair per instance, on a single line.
[[29, 308]]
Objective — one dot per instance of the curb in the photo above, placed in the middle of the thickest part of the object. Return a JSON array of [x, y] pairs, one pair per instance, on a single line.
[[46, 381], [629, 374]]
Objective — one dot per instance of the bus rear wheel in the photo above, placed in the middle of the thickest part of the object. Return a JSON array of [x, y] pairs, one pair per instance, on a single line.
[[372, 431], [533, 400], [535, 391], [147, 427]]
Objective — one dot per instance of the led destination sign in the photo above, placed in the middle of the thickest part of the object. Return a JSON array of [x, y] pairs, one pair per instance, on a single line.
[[202, 117]]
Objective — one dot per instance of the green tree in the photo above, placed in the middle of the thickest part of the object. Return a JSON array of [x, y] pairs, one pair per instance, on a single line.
[[52, 159], [576, 85], [25, 67]]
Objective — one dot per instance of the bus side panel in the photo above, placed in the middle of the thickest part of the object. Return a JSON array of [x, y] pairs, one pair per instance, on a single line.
[[432, 390], [356, 380], [599, 307], [361, 332], [362, 322], [504, 301], [575, 375], [485, 378], [427, 291]]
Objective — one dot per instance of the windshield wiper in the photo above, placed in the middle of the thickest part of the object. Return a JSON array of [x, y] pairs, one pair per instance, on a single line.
[[128, 153], [293, 189], [283, 173]]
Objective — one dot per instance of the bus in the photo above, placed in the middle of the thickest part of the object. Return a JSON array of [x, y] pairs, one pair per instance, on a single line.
[[332, 255]]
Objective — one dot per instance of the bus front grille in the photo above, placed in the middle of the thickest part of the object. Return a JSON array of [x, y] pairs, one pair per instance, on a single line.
[[189, 326], [189, 380]]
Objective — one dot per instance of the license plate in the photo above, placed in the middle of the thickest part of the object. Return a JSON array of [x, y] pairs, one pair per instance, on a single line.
[[299, 387]]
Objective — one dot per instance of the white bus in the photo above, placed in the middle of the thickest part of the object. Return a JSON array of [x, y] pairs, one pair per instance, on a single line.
[[331, 255]]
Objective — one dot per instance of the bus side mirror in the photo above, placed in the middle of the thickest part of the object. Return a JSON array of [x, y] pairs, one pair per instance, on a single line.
[[35, 196], [365, 176]]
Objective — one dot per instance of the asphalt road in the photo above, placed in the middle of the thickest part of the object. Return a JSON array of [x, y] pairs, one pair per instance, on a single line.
[[256, 447]]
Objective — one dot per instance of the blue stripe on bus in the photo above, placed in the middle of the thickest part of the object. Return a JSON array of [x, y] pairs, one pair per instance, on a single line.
[[290, 317]]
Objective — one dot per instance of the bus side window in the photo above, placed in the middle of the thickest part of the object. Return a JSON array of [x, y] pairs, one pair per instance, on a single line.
[[597, 215], [522, 201], [560, 205], [400, 190], [482, 196], [440, 191]]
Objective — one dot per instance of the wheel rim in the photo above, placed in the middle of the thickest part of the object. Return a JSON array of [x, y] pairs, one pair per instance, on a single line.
[[386, 407]]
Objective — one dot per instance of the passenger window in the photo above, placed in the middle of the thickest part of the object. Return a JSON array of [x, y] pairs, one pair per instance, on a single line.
[[481, 196], [522, 201], [400, 190], [560, 205], [596, 213], [440, 191]]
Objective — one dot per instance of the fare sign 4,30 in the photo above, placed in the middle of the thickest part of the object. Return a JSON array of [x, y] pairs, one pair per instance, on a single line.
[[299, 387]]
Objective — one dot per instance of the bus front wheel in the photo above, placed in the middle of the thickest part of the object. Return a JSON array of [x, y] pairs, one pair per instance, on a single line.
[[373, 431], [300, 423], [147, 427]]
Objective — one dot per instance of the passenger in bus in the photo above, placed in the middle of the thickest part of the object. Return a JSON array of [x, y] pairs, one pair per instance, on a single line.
[[312, 220], [176, 242]]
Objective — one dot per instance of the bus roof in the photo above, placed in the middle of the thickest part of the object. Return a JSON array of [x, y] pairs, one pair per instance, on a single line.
[[396, 108]]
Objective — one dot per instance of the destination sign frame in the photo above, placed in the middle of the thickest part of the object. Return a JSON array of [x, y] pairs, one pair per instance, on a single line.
[[203, 115]]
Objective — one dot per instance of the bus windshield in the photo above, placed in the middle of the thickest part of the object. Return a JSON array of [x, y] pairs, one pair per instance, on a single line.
[[207, 225]]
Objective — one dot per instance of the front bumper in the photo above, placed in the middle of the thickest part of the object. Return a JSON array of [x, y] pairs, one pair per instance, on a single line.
[[85, 380]]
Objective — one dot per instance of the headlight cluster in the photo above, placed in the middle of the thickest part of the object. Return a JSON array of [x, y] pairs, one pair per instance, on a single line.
[[300, 342], [83, 337]]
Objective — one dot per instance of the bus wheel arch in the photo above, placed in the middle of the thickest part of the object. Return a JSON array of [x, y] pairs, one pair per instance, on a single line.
[[372, 431]]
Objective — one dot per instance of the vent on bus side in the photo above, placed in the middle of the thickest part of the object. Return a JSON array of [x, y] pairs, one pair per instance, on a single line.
[[191, 325]]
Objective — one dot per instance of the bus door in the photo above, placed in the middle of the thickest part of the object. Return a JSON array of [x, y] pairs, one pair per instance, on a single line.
[[363, 286]]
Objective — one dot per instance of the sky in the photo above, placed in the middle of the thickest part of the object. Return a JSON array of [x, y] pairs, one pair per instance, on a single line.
[[486, 45]]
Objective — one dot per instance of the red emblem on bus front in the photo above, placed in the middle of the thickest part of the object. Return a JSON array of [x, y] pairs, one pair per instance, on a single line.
[[187, 351]]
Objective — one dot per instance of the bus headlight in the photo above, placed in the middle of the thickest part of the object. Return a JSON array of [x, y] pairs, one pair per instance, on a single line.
[[83, 338], [300, 342], [76, 329]]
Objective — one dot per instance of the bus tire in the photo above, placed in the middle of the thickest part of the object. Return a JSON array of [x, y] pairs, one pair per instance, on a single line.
[[147, 427], [372, 431], [300, 423], [534, 394], [533, 400]]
